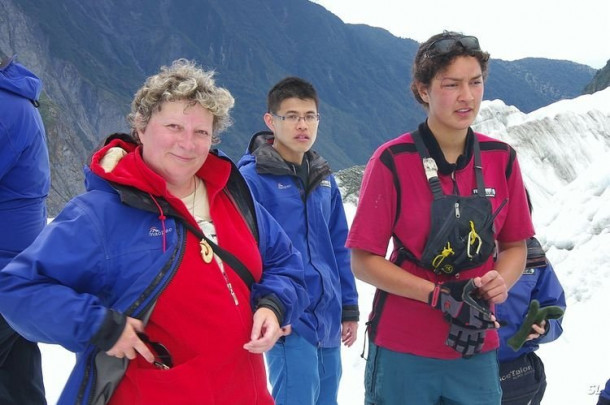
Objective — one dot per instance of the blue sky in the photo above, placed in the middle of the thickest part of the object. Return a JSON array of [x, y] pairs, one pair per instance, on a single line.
[[555, 29]]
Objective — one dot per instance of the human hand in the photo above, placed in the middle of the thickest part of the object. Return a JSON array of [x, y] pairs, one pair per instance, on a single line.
[[535, 316], [349, 331], [265, 331], [129, 344], [537, 331], [491, 287]]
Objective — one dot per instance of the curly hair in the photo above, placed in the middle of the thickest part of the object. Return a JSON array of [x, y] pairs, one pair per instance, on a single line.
[[183, 80], [429, 61]]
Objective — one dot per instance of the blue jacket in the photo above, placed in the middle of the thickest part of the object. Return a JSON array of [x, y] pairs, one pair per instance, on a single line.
[[24, 161], [538, 282], [604, 396], [313, 217], [101, 260]]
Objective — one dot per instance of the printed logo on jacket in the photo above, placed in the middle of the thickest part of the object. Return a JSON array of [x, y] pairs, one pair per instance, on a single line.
[[154, 231]]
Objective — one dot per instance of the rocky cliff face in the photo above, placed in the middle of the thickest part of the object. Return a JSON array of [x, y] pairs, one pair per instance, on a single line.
[[74, 111]]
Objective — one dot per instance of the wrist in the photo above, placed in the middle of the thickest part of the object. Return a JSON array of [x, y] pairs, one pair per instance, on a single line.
[[434, 295], [272, 303], [110, 331]]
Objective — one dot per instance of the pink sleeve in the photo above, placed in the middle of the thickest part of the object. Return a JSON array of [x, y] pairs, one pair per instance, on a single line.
[[373, 222]]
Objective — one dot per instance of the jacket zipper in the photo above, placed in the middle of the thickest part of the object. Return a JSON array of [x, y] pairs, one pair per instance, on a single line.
[[90, 368], [228, 282], [305, 194]]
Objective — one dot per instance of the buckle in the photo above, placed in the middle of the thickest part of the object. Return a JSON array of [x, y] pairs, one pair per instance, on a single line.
[[430, 168]]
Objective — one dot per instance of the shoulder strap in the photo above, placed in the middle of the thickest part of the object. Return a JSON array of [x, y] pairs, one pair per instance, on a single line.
[[432, 170], [478, 167], [137, 199], [226, 256], [429, 165], [238, 191]]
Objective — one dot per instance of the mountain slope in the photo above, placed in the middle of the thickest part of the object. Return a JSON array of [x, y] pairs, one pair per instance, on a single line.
[[92, 57], [600, 81]]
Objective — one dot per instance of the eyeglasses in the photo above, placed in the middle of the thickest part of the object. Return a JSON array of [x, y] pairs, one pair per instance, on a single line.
[[309, 118], [163, 360], [444, 45]]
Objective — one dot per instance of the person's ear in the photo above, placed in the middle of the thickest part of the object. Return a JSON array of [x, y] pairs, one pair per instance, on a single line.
[[268, 118], [423, 92]]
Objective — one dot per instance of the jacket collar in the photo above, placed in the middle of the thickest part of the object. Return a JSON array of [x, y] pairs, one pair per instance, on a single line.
[[131, 171], [269, 161], [436, 153]]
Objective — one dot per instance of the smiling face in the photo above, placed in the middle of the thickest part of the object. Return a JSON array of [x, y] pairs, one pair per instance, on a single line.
[[176, 143], [292, 140], [454, 97]]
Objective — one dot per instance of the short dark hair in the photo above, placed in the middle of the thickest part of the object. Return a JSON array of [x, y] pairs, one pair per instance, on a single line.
[[290, 87], [428, 63]]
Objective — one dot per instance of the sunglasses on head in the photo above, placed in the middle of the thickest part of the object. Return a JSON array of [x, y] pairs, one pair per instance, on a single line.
[[163, 360], [444, 45]]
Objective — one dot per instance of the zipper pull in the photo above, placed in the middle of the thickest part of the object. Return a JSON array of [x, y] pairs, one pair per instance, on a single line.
[[232, 293], [457, 209]]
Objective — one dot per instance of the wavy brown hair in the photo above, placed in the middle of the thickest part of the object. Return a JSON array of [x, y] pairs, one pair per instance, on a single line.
[[429, 62]]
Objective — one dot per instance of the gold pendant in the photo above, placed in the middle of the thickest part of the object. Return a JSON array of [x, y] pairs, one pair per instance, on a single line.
[[206, 251]]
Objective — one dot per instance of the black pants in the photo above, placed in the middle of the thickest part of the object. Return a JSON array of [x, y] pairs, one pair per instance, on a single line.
[[20, 369], [523, 380]]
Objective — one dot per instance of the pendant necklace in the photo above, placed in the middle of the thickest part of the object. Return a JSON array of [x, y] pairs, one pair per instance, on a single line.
[[207, 253]]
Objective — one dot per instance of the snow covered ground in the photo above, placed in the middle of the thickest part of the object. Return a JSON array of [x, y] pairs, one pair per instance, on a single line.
[[563, 151]]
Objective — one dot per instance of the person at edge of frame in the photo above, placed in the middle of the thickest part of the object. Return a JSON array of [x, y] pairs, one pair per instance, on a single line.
[[522, 375], [25, 178]]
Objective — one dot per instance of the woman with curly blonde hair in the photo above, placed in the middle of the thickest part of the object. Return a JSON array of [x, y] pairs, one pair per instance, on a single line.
[[165, 277]]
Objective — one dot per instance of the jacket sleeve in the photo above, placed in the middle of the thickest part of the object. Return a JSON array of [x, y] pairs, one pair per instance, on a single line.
[[12, 144], [48, 292], [283, 276], [338, 233], [549, 292], [9, 152]]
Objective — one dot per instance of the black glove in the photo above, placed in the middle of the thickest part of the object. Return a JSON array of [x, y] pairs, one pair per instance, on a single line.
[[465, 340], [469, 317], [458, 303]]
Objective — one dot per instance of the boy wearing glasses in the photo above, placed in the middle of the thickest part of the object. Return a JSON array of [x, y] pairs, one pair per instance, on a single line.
[[296, 186]]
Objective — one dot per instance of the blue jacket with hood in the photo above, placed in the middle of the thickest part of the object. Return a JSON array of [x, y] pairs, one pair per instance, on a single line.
[[314, 219], [101, 260], [24, 161], [538, 282]]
